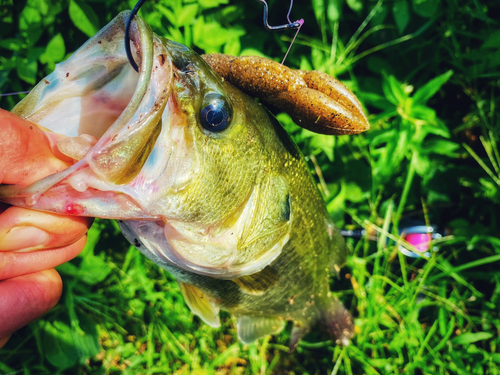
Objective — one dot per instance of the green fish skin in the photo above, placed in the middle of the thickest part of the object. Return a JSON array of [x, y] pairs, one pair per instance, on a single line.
[[233, 214]]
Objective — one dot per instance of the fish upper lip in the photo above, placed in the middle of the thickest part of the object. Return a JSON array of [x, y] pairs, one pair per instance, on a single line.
[[94, 71]]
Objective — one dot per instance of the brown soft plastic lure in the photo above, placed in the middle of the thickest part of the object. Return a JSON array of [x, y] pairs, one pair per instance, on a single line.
[[314, 100]]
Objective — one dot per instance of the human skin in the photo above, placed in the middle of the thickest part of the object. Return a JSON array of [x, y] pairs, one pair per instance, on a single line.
[[32, 243]]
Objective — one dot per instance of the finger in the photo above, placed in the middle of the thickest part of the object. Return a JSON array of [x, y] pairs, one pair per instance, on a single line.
[[26, 230], [14, 264], [25, 298], [26, 151]]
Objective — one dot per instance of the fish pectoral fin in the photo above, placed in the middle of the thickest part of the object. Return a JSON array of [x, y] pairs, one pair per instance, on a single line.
[[266, 227], [297, 333], [200, 304], [259, 282], [251, 328]]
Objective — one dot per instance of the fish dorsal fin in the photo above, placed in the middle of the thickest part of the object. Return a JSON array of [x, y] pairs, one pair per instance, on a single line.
[[258, 283], [251, 328], [200, 304]]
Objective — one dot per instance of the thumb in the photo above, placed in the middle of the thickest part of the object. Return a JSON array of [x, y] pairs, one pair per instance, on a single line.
[[27, 153]]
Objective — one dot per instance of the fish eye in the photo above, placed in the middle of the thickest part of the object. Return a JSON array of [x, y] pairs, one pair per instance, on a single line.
[[215, 115]]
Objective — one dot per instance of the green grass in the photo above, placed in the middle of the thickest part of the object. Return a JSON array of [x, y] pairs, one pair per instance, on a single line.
[[428, 73]]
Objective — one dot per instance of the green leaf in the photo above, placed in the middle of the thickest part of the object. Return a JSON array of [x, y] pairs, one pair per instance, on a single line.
[[211, 36], [58, 345], [334, 10], [93, 270], [423, 113], [401, 12], [375, 100], [493, 41], [137, 306], [28, 67], [29, 16], [4, 75], [305, 64], [252, 52], [423, 94], [64, 347], [83, 17], [30, 24], [469, 338], [11, 44], [54, 52], [168, 14], [319, 10], [421, 163], [425, 8], [318, 58], [212, 3], [355, 5], [495, 357], [233, 47], [187, 15], [477, 240], [376, 65], [393, 90], [441, 147], [324, 143], [388, 149], [380, 15], [93, 237], [286, 121], [353, 192]]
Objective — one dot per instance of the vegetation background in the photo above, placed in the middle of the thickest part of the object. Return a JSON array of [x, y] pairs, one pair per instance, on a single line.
[[428, 73]]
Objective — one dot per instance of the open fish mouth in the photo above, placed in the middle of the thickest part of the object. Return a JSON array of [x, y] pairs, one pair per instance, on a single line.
[[202, 179], [112, 118], [141, 155]]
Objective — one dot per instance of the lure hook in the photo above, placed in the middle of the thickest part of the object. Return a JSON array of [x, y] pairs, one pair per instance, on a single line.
[[290, 25], [127, 34]]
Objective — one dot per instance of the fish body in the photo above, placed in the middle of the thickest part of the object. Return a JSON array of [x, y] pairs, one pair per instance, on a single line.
[[202, 179]]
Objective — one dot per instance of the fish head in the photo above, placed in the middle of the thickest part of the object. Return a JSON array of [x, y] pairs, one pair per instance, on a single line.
[[186, 161]]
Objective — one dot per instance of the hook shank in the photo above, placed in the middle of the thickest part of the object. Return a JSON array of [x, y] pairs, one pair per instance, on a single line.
[[127, 34]]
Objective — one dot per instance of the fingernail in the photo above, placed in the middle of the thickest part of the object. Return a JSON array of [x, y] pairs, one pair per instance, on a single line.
[[51, 274], [23, 238]]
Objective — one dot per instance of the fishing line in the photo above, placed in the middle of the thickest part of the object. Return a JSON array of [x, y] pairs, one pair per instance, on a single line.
[[15, 93], [127, 45], [290, 25], [301, 21], [127, 34]]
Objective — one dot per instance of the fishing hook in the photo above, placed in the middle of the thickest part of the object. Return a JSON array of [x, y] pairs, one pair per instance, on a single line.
[[127, 34], [290, 25]]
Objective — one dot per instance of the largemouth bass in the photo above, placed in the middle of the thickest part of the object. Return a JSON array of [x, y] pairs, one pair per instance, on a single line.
[[202, 179]]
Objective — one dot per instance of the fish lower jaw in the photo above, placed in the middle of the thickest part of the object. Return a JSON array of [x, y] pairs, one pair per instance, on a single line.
[[79, 182]]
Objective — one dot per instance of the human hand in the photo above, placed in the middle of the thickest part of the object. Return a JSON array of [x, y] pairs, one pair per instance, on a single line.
[[31, 242]]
